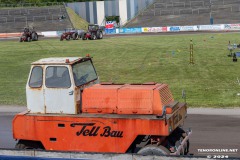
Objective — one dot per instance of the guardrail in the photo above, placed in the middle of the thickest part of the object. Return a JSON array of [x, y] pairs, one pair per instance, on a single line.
[[138, 30]]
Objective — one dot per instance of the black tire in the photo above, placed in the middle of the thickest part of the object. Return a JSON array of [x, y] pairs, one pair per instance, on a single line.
[[28, 39], [83, 36], [186, 150], [93, 36], [154, 150], [79, 36], [99, 35], [75, 36], [34, 38], [22, 144], [20, 39], [68, 37]]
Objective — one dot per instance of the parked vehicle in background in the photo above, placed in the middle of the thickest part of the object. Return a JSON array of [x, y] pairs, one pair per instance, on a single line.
[[94, 32], [70, 33], [28, 35]]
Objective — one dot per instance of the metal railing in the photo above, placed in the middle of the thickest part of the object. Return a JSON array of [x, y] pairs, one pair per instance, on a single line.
[[15, 19], [23, 5], [177, 8]]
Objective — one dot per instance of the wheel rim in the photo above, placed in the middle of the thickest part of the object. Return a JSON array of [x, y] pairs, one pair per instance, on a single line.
[[154, 150]]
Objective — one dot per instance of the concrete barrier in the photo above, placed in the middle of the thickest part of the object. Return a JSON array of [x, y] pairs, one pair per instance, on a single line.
[[196, 28], [35, 154], [8, 35]]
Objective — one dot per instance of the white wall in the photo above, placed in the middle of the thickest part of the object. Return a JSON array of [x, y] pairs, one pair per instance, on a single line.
[[100, 12], [123, 11]]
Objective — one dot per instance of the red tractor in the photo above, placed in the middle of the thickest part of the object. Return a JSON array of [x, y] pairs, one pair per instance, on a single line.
[[69, 34], [28, 35], [94, 32]]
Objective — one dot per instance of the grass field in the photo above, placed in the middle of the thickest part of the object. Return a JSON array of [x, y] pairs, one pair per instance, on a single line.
[[211, 82]]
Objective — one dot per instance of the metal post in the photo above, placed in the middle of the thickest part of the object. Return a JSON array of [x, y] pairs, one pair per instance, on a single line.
[[210, 16], [154, 10], [191, 53]]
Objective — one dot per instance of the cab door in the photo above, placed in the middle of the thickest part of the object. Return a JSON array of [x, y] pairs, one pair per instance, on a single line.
[[34, 90], [59, 90]]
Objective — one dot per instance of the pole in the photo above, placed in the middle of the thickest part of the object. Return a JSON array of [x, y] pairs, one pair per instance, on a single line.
[[210, 14], [191, 53]]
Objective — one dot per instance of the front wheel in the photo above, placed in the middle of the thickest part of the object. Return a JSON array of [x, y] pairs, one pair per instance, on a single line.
[[24, 144], [68, 37], [20, 39], [154, 150]]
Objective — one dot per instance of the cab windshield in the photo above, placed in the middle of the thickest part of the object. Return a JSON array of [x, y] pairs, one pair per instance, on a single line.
[[84, 72]]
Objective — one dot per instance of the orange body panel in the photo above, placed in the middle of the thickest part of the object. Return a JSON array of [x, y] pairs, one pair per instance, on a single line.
[[99, 135], [136, 99], [100, 99], [126, 99], [92, 132]]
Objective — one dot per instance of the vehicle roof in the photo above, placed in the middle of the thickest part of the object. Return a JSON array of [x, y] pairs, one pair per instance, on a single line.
[[57, 60]]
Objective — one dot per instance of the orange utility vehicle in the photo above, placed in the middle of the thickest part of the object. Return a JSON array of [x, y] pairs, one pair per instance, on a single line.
[[69, 110]]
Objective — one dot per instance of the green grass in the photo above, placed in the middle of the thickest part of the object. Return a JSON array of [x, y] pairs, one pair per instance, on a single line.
[[211, 82], [78, 22]]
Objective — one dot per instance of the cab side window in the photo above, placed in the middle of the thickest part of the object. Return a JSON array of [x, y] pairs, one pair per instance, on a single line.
[[57, 77], [36, 77]]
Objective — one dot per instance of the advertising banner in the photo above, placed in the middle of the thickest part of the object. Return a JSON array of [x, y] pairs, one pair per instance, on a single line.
[[173, 28], [52, 33], [130, 30], [216, 27], [154, 29], [188, 28], [110, 31], [231, 26], [109, 24]]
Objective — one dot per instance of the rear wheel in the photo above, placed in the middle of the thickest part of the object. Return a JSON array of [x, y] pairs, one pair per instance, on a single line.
[[28, 39], [154, 150], [93, 36], [34, 37], [84, 36], [74, 36], [99, 35]]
